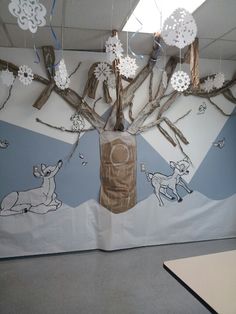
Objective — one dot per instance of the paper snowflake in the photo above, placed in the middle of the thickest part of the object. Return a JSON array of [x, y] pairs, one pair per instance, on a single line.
[[180, 81], [30, 13], [114, 48], [7, 77], [179, 29], [78, 122], [61, 77], [208, 84], [25, 75], [219, 80], [127, 66], [102, 71]]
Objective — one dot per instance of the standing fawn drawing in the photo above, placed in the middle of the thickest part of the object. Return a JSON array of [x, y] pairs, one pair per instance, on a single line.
[[161, 182], [40, 200]]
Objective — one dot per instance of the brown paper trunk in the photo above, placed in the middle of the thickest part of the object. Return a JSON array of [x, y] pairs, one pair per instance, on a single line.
[[118, 171]]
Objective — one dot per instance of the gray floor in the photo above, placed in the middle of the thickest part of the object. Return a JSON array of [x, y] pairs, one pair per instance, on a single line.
[[122, 282]]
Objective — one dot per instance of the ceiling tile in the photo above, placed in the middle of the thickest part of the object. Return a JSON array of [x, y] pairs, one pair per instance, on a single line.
[[100, 15], [25, 39], [219, 49], [215, 17], [230, 36], [4, 42]]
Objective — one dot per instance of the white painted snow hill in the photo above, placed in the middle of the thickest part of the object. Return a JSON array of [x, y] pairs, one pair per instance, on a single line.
[[91, 226]]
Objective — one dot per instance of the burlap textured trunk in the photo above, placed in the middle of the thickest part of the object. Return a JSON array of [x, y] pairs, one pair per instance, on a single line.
[[118, 171]]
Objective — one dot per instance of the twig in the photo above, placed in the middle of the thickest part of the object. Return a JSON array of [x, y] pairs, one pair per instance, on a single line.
[[63, 129], [151, 86], [74, 147], [185, 115], [130, 111], [219, 109], [95, 102], [75, 70], [181, 149], [8, 97]]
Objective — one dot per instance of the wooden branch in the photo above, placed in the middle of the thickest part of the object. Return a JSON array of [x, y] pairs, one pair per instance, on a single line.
[[168, 103], [44, 96], [150, 86], [95, 102], [176, 131], [61, 128], [49, 61], [130, 111], [69, 95], [8, 96], [75, 70], [219, 109], [229, 96], [194, 63], [166, 135], [106, 93], [92, 83]]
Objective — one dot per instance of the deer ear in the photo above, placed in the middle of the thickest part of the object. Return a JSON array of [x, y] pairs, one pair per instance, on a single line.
[[172, 164], [43, 166]]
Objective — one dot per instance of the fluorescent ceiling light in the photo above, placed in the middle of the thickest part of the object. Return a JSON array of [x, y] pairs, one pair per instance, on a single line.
[[149, 15]]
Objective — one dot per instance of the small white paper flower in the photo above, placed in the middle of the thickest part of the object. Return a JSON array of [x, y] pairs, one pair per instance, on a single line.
[[127, 66], [180, 81], [219, 80], [7, 77], [179, 29], [208, 84], [102, 71], [25, 75], [30, 13], [78, 122], [114, 48]]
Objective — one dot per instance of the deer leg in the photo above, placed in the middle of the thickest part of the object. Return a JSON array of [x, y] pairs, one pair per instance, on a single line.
[[179, 199], [164, 192], [184, 185], [157, 193]]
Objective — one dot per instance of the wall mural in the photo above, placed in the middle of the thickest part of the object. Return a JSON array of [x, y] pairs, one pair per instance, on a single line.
[[110, 213]]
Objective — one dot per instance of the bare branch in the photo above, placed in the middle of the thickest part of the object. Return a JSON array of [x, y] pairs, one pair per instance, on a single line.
[[150, 86], [8, 96], [75, 70], [220, 110], [229, 96], [168, 103], [185, 115], [166, 135], [130, 111], [95, 102], [61, 128]]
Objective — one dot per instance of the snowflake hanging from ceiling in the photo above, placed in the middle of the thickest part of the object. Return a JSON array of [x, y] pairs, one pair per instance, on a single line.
[[179, 29], [180, 81], [61, 77], [25, 75], [102, 71], [127, 66], [219, 80], [114, 48], [30, 13], [7, 77], [208, 84]]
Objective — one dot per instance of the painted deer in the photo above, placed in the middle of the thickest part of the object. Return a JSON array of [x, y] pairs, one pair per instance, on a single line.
[[40, 200], [161, 182]]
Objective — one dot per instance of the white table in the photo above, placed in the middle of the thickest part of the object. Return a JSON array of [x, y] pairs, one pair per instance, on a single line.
[[210, 278]]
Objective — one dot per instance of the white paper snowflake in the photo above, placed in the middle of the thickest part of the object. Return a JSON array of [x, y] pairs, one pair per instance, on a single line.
[[102, 71], [7, 77], [114, 48], [127, 66], [61, 77], [179, 29], [219, 80], [30, 13], [208, 84], [25, 75], [78, 122], [180, 81]]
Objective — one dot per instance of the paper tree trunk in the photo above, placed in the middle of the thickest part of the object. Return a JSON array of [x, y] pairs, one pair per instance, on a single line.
[[118, 171]]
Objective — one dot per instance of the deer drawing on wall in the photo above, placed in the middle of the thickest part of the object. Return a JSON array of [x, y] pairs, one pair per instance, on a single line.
[[161, 182], [40, 200], [117, 194]]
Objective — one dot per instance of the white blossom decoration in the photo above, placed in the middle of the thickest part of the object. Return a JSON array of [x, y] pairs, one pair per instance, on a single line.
[[114, 48], [7, 77], [30, 13], [179, 29], [61, 77], [180, 81], [127, 66], [78, 122], [208, 84], [102, 71], [219, 80], [25, 75]]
